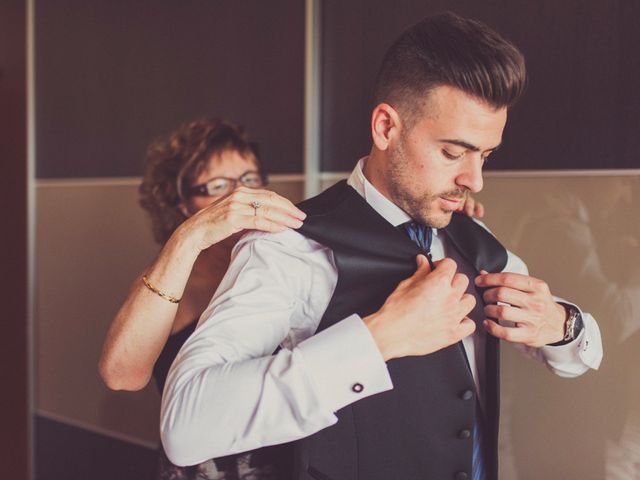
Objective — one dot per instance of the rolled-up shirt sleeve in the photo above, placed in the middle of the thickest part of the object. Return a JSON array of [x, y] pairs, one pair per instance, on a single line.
[[227, 392]]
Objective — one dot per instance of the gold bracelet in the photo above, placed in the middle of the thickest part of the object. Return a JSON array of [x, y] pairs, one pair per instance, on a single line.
[[145, 280]]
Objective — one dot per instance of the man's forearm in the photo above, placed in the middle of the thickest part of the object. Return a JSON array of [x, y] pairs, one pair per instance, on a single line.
[[229, 408], [214, 407]]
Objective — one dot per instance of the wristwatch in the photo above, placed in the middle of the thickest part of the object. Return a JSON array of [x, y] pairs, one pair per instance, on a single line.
[[573, 324]]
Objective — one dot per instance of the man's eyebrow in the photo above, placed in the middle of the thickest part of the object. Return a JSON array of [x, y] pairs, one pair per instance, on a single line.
[[467, 145]]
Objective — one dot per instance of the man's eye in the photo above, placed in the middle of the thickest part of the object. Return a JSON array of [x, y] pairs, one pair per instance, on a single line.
[[451, 156]]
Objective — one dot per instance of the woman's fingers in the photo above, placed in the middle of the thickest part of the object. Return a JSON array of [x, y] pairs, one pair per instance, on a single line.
[[249, 209], [469, 206], [275, 215], [472, 207], [254, 222], [266, 225], [270, 206], [261, 210], [268, 198]]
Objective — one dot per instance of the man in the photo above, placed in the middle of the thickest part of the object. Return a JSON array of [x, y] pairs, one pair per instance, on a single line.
[[384, 370]]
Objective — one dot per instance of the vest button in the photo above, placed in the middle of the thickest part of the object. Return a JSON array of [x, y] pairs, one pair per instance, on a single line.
[[462, 476], [357, 387], [466, 395], [464, 434]]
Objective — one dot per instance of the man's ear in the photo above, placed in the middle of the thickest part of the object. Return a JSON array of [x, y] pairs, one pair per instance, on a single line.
[[385, 125]]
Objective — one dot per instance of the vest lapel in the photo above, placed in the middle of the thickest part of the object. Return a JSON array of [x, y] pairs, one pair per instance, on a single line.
[[347, 223], [475, 244]]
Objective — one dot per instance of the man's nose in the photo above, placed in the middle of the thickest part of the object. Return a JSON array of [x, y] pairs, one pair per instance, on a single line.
[[471, 174]]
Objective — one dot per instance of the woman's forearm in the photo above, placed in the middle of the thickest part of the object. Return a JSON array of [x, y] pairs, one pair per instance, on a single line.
[[144, 322]]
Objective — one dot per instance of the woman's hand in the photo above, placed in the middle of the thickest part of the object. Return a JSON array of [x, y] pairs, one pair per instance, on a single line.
[[237, 212], [144, 322], [472, 207]]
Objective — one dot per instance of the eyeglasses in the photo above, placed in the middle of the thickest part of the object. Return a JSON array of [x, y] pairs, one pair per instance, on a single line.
[[219, 186]]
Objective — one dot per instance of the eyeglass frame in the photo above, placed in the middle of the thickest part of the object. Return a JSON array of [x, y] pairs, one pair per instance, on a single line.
[[202, 190]]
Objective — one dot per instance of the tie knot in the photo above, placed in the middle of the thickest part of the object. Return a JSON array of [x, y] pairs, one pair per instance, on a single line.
[[420, 234]]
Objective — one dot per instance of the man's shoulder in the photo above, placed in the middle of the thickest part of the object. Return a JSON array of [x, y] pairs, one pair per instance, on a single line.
[[287, 254], [289, 240], [327, 200]]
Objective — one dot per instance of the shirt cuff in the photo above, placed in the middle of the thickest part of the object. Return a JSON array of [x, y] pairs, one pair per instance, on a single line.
[[577, 356], [345, 363]]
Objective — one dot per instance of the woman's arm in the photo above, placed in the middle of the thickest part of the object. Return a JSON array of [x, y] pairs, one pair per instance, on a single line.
[[143, 324], [141, 327]]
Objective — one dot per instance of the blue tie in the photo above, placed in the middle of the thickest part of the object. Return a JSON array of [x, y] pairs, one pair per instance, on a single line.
[[422, 235], [477, 458]]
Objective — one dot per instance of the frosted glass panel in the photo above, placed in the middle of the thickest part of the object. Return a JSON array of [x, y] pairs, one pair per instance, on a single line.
[[581, 235], [86, 263]]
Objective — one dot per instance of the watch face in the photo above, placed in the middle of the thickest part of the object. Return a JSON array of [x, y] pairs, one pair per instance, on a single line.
[[574, 324]]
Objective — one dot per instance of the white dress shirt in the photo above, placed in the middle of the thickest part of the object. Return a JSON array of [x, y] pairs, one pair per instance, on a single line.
[[226, 393]]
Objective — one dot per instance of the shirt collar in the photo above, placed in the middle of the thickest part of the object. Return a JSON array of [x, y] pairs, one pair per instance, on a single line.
[[381, 204]]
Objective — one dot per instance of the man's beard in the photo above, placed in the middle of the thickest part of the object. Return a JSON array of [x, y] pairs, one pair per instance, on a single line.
[[423, 208]]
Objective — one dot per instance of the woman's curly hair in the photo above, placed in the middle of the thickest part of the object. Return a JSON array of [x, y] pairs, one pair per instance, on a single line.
[[174, 162]]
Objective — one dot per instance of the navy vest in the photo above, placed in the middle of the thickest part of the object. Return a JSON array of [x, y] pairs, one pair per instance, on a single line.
[[413, 431]]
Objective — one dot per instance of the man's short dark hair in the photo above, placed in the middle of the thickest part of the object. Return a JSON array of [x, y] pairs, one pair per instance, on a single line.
[[448, 50]]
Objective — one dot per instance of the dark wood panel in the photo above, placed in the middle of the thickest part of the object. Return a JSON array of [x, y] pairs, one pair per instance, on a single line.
[[14, 403], [582, 106], [113, 75]]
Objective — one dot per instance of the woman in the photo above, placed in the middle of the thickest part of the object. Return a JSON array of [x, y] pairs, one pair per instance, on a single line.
[[202, 187]]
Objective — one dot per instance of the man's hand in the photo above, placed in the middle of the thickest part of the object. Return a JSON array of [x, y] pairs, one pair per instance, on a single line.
[[538, 319], [425, 313]]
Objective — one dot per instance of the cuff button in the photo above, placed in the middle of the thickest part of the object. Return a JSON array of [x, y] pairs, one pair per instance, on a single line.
[[357, 387]]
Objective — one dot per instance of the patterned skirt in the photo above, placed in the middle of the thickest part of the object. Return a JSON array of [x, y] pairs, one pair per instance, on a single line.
[[270, 463]]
